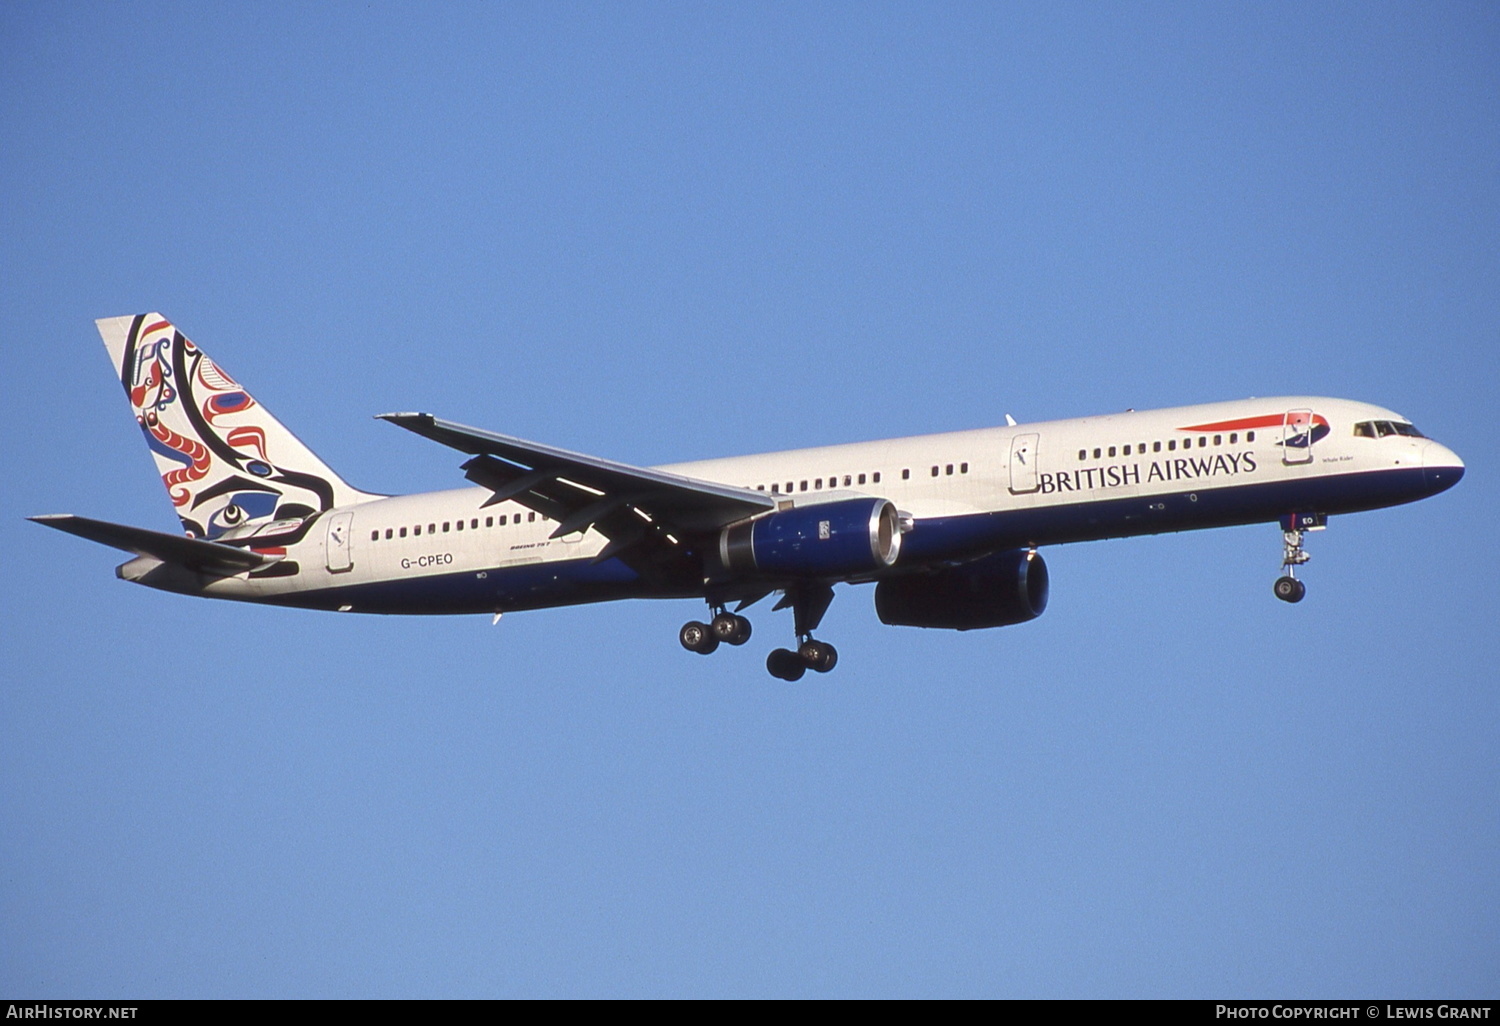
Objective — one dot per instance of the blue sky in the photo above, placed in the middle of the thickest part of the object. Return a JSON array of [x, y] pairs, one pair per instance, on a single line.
[[671, 231]]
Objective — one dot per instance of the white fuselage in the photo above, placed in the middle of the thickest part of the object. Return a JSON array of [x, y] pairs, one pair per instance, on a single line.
[[1093, 477]]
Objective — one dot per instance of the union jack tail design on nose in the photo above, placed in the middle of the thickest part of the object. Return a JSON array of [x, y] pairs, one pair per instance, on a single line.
[[225, 461]]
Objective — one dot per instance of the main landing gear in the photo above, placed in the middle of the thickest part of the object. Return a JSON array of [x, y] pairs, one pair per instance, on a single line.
[[1293, 555], [808, 602], [705, 638], [810, 655]]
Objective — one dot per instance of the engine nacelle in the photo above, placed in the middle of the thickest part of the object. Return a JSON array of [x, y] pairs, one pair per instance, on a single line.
[[996, 591], [832, 539]]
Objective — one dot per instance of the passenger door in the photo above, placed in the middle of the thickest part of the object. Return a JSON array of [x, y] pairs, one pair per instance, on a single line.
[[340, 537], [1297, 437], [1023, 449]]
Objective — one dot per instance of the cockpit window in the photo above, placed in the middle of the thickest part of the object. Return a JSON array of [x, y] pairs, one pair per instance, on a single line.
[[1382, 428]]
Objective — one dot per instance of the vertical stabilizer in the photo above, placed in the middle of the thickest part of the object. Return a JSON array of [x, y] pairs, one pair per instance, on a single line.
[[224, 459]]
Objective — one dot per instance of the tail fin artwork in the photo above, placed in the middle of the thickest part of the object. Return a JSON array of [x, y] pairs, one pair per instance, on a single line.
[[225, 461]]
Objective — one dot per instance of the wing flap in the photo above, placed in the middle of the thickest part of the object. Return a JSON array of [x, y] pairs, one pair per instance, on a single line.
[[563, 484]]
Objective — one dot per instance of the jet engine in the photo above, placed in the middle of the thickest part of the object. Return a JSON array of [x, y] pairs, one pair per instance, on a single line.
[[995, 591], [831, 539]]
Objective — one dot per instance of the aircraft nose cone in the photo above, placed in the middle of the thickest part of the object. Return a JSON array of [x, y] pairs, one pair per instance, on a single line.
[[1441, 467]]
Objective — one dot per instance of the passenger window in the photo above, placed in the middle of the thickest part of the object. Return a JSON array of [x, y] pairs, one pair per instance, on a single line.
[[906, 474], [1234, 437], [1096, 453], [458, 525], [403, 532], [760, 488], [861, 479], [1083, 454], [445, 527], [374, 535], [1203, 441], [818, 484], [847, 480], [877, 477], [417, 530], [934, 471], [1156, 447], [432, 528], [1249, 436], [1111, 452], [1218, 439], [963, 468], [474, 524], [948, 470], [1126, 451], [1171, 445], [775, 488], [789, 488], [387, 534], [804, 486], [531, 518]]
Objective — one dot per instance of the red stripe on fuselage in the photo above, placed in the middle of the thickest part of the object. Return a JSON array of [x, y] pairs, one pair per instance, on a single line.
[[1245, 423]]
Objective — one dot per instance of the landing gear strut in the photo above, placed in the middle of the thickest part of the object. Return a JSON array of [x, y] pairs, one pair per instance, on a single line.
[[809, 603], [1293, 555]]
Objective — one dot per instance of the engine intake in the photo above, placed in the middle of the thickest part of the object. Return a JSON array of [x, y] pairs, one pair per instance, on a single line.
[[832, 539], [996, 591]]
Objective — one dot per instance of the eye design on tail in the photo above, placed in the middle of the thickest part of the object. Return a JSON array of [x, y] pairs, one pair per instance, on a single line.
[[225, 460]]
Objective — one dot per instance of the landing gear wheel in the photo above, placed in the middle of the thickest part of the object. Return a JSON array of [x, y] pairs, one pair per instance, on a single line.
[[731, 629], [697, 637], [785, 664], [818, 655], [1289, 589]]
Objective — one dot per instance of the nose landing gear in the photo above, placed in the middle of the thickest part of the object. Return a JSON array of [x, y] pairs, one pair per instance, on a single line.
[[1293, 555]]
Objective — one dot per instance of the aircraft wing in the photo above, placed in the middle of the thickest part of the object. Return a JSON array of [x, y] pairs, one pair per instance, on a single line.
[[618, 500], [193, 553]]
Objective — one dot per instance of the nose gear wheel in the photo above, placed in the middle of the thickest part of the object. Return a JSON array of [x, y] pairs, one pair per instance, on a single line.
[[1293, 555]]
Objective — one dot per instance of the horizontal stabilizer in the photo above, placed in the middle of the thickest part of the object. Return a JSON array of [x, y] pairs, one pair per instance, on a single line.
[[210, 557]]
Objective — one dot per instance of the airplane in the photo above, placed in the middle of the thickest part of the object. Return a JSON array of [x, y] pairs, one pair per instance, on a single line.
[[946, 526]]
